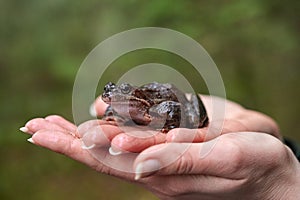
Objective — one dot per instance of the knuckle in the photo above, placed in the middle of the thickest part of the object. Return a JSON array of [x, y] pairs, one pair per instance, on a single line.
[[278, 154], [234, 152]]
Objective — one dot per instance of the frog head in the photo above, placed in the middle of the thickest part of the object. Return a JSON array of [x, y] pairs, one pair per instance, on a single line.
[[128, 101]]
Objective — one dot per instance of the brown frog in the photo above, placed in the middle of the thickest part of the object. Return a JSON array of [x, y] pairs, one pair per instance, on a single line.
[[160, 106]]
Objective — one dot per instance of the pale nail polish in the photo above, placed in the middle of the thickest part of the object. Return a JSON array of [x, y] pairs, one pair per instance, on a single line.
[[138, 171], [93, 111], [87, 147], [30, 140], [24, 129], [114, 151], [146, 168], [83, 146]]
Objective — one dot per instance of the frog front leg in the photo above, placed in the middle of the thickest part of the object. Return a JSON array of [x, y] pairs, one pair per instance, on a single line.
[[111, 115], [165, 116]]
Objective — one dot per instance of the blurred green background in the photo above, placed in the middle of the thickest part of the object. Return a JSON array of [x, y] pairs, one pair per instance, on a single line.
[[254, 43]]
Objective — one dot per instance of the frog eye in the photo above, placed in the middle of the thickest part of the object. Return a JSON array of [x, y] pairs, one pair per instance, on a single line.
[[125, 88], [109, 86]]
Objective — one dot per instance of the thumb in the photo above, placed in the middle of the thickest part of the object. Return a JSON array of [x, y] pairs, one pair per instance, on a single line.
[[214, 158], [228, 156]]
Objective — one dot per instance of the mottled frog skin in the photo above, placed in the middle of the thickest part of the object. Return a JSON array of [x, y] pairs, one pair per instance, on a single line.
[[159, 106]]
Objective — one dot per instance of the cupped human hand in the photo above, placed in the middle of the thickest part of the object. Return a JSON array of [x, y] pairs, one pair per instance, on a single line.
[[241, 165], [234, 119], [247, 165], [61, 136]]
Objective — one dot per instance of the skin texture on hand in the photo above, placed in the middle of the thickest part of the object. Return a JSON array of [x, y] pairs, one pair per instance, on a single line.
[[238, 164]]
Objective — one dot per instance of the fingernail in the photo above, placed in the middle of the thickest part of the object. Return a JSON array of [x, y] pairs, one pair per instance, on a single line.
[[83, 146], [93, 111], [114, 152], [30, 140], [87, 147], [146, 168], [24, 129]]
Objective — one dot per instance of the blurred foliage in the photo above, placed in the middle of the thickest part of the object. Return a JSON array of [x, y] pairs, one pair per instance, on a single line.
[[254, 43]]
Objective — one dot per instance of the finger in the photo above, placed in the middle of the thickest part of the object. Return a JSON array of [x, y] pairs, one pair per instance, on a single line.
[[60, 142], [250, 120], [99, 136], [56, 119], [186, 135], [255, 121], [136, 140], [215, 129], [37, 124], [232, 109], [99, 160], [84, 127], [98, 108]]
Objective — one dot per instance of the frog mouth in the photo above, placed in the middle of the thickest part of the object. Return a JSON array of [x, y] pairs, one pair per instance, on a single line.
[[125, 101]]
